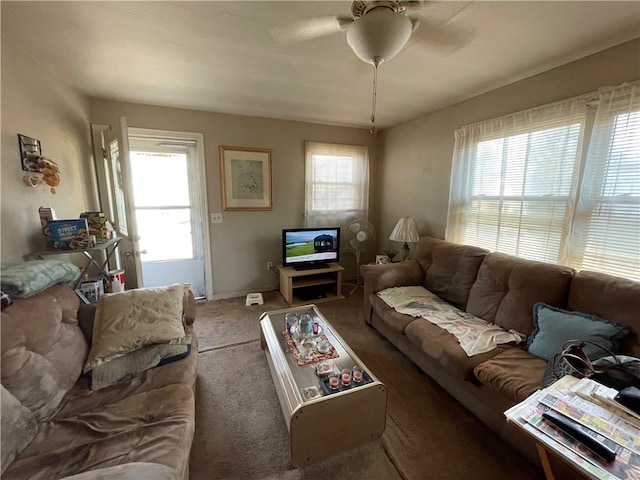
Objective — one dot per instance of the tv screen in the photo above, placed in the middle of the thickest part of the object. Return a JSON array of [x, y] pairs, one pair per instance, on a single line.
[[304, 248]]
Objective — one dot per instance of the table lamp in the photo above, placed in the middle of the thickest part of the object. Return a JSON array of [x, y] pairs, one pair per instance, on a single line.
[[406, 230]]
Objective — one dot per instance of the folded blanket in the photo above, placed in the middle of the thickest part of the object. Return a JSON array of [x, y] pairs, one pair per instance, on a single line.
[[474, 334], [29, 278]]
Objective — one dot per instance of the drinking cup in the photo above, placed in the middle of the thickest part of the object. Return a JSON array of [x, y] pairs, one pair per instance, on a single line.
[[334, 381], [346, 376], [305, 324], [291, 322], [357, 374]]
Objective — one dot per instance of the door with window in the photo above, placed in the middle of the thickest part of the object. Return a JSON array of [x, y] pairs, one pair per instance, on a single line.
[[152, 187], [168, 217]]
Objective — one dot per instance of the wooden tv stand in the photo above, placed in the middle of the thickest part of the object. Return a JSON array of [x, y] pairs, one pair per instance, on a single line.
[[300, 287]]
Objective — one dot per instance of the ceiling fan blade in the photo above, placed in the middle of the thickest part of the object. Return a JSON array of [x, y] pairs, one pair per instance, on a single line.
[[446, 39], [310, 28]]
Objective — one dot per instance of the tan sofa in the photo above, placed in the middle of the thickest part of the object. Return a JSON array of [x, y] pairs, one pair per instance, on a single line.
[[54, 426], [501, 289]]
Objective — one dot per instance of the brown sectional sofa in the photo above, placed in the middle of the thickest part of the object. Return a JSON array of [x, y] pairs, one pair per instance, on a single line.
[[57, 427], [501, 289]]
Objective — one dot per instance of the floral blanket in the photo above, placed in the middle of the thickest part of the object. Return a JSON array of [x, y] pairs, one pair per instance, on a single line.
[[474, 334]]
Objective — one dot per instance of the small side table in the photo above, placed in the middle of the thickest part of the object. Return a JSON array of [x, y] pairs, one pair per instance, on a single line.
[[106, 250]]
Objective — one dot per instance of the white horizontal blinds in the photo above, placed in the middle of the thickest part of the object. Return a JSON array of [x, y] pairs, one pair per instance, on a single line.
[[337, 183], [512, 179], [607, 225]]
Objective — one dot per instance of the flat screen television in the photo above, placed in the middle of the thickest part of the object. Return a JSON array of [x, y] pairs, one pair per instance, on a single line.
[[308, 248]]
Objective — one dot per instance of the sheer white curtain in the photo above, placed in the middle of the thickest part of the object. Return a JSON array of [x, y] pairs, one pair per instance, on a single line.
[[513, 182], [336, 183], [606, 233]]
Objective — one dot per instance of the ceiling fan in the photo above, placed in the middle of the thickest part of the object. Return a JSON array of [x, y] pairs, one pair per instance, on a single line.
[[376, 31]]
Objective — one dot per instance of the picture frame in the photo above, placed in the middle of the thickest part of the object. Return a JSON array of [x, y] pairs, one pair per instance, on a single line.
[[246, 178]]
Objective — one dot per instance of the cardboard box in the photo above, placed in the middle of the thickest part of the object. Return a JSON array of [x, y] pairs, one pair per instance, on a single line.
[[97, 222], [69, 234], [47, 214], [92, 289]]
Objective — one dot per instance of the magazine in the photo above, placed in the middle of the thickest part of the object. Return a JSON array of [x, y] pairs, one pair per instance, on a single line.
[[595, 418], [625, 466], [572, 449], [582, 401]]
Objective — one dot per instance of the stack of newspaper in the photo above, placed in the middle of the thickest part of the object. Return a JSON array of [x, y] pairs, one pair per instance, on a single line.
[[591, 408]]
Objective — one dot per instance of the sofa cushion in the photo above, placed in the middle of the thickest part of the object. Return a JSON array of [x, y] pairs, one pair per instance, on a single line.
[[444, 347], [554, 327], [450, 268], [474, 334], [125, 322], [156, 426], [395, 320], [507, 287], [610, 297], [515, 373], [18, 427], [81, 398], [43, 349], [124, 368], [127, 471]]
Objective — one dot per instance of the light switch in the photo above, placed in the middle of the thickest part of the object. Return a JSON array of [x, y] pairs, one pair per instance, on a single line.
[[216, 218]]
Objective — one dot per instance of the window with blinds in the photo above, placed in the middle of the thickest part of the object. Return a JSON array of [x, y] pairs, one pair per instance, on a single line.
[[538, 185], [337, 183], [607, 225], [519, 192]]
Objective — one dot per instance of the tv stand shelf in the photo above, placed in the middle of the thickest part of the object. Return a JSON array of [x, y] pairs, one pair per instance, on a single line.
[[300, 287]]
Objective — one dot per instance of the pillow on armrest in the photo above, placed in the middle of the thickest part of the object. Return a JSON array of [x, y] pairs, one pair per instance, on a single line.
[[127, 321], [400, 274]]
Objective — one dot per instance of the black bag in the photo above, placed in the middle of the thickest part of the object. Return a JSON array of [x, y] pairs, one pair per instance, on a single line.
[[615, 371]]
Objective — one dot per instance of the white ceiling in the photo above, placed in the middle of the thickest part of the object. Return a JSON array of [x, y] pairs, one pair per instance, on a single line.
[[221, 56]]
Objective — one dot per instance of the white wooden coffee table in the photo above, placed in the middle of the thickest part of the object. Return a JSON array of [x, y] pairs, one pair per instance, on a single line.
[[333, 422]]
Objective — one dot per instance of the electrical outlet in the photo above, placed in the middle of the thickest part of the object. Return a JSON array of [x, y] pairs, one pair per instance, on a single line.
[[269, 265], [216, 218]]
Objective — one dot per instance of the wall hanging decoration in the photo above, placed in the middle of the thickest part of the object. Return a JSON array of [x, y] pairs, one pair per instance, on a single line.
[[41, 169], [246, 178]]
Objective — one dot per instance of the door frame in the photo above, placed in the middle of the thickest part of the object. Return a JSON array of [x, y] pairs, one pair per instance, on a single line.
[[200, 181]]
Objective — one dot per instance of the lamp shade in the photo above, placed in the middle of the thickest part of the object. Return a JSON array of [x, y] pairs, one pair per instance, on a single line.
[[406, 230], [380, 34]]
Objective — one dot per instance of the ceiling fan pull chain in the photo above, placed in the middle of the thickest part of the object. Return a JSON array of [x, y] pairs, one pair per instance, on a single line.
[[376, 62]]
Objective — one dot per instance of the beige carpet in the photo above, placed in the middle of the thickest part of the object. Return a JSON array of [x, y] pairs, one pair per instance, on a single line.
[[241, 434]]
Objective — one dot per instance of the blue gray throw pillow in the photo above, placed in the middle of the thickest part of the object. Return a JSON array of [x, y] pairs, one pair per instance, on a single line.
[[554, 327]]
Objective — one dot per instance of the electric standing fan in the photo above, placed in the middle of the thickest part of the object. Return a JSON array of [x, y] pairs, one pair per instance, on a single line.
[[359, 236]]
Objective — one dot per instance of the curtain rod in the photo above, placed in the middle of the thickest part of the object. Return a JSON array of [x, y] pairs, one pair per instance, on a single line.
[[591, 100]]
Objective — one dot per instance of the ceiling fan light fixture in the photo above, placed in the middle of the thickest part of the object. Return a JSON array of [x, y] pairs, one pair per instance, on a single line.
[[381, 33]]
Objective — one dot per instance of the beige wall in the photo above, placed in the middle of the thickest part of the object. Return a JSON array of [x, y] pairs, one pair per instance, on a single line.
[[412, 180], [415, 172], [36, 104], [245, 241]]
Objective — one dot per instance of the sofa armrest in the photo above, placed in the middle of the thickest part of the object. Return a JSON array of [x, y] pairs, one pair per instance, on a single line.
[[127, 471], [400, 274], [189, 309], [86, 317], [379, 277]]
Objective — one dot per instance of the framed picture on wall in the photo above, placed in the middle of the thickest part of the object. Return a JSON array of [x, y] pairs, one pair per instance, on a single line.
[[246, 178]]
